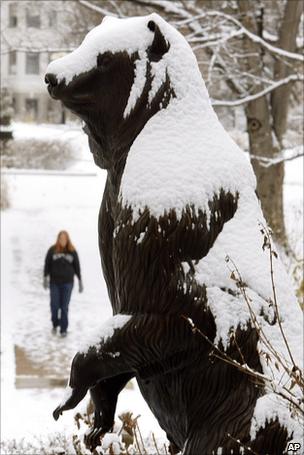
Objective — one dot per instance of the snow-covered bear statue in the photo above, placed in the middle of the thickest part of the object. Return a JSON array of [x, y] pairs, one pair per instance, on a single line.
[[195, 319]]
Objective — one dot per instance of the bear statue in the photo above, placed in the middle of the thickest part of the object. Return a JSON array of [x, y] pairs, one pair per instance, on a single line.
[[179, 212]]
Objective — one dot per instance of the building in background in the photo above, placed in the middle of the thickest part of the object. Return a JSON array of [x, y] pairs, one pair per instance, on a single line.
[[32, 34]]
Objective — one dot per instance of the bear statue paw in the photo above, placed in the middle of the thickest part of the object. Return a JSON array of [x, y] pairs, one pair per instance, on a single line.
[[57, 413], [93, 438], [173, 449]]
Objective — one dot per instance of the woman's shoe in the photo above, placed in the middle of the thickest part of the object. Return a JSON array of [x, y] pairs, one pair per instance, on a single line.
[[54, 330], [63, 334]]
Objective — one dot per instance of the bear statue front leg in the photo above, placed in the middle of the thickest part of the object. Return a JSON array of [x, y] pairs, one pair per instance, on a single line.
[[71, 398], [104, 396], [142, 345], [81, 379], [127, 352], [173, 448], [89, 370]]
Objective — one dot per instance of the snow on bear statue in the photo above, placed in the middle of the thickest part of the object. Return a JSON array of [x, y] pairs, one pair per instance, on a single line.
[[179, 197]]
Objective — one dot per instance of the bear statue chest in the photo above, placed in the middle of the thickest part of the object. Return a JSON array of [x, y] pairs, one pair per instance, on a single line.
[[150, 258], [140, 256], [149, 262]]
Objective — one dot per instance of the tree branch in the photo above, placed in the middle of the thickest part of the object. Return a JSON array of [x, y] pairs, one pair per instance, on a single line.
[[98, 9], [267, 162], [252, 36], [247, 99]]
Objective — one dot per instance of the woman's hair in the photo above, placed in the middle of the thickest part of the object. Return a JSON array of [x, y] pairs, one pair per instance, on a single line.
[[69, 246]]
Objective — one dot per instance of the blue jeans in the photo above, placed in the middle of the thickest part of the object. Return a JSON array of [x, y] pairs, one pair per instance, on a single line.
[[60, 299]]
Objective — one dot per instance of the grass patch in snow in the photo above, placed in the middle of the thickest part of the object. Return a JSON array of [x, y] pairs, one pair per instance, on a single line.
[[33, 153], [4, 200]]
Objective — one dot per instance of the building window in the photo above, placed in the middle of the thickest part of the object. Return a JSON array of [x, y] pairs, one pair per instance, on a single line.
[[32, 19], [52, 18], [31, 107], [32, 63], [12, 14], [12, 62]]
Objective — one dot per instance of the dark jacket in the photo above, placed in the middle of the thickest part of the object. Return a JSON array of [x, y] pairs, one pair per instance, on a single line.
[[62, 266]]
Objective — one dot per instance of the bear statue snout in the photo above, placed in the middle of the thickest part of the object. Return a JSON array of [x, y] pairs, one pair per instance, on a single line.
[[53, 86], [73, 94], [51, 80]]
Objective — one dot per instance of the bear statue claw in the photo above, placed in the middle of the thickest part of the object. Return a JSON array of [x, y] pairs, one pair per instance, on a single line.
[[72, 397], [57, 413], [92, 439]]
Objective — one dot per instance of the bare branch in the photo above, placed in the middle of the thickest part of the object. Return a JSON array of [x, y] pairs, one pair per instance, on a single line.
[[98, 9], [272, 253], [270, 88], [267, 162], [221, 40], [245, 31], [172, 8], [116, 8], [260, 378]]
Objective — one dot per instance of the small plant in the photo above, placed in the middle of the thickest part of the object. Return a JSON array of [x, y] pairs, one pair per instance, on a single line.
[[126, 438], [55, 444], [289, 374], [4, 201]]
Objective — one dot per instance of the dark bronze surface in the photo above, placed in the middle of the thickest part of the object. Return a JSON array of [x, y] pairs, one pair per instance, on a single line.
[[197, 399]]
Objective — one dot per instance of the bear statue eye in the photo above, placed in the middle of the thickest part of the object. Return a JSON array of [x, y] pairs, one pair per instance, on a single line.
[[103, 60]]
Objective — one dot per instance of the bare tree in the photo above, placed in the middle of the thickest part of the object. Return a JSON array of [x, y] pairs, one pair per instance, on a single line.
[[267, 115]]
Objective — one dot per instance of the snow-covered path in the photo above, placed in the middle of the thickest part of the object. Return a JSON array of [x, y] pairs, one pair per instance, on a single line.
[[40, 206]]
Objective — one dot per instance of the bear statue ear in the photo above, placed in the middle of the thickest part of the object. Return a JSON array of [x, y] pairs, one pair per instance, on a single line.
[[159, 45]]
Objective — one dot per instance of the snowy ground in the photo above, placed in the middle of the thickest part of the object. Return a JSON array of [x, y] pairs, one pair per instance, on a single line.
[[293, 204], [41, 204]]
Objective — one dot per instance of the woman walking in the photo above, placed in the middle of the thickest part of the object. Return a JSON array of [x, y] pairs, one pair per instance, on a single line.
[[61, 264]]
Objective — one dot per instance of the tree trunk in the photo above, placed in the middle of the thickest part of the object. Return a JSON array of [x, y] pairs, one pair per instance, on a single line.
[[287, 41], [259, 124]]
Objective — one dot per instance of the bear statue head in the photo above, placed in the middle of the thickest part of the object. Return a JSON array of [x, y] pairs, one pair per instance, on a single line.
[[109, 79], [124, 72]]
